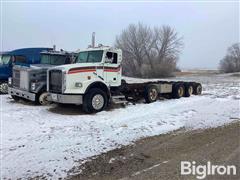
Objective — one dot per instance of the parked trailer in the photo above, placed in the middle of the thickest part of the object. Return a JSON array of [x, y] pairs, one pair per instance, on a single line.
[[95, 80]]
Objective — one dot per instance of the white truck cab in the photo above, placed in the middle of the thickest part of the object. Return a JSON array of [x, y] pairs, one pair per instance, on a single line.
[[96, 70], [96, 79]]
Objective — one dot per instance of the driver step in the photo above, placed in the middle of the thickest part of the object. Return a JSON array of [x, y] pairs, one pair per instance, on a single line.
[[119, 99]]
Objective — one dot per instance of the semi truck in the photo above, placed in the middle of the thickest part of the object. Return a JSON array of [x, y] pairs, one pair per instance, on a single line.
[[95, 80], [24, 56], [30, 82]]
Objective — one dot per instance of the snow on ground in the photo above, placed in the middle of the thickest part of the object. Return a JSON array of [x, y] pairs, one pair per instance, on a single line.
[[39, 140]]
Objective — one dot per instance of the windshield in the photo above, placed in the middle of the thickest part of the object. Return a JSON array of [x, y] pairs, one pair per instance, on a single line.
[[89, 57], [53, 59], [5, 59]]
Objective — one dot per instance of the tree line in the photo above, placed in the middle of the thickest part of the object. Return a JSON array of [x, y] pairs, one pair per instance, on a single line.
[[149, 52], [231, 62], [154, 52]]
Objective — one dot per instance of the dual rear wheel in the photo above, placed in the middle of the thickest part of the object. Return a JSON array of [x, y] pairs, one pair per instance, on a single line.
[[186, 90], [197, 89], [151, 94], [179, 90]]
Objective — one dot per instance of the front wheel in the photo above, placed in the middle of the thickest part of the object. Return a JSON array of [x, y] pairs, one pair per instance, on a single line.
[[42, 99], [95, 101]]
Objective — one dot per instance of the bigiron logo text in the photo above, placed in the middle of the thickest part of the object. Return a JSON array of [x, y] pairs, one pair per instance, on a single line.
[[202, 171]]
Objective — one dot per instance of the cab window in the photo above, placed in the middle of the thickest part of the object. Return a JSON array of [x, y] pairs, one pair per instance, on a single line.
[[5, 59], [20, 59], [53, 59], [90, 57]]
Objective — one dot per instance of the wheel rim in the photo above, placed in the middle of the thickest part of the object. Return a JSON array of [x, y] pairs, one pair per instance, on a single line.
[[180, 91], [153, 94], [97, 101], [43, 99], [190, 90]]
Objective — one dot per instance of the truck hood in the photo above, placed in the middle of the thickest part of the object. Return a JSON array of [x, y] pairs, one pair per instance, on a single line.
[[41, 66], [77, 65]]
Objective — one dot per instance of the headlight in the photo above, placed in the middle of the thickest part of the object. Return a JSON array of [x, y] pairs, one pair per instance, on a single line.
[[33, 86], [78, 84], [10, 81]]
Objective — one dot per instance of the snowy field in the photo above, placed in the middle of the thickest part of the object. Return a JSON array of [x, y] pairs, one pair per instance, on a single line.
[[49, 141]]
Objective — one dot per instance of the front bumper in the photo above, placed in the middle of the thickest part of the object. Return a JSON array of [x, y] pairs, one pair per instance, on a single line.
[[21, 93], [65, 98]]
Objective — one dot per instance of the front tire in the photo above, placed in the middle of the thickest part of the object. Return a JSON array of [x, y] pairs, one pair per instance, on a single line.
[[42, 99], [3, 88], [95, 101]]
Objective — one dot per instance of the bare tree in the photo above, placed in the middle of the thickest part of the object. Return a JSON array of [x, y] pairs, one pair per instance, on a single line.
[[149, 52], [231, 62]]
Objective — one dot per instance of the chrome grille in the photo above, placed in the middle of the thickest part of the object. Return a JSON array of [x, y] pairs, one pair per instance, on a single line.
[[16, 78], [20, 79], [24, 82], [55, 81]]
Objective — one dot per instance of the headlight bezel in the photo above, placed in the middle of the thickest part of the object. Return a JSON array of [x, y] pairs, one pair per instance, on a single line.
[[10, 81], [33, 86]]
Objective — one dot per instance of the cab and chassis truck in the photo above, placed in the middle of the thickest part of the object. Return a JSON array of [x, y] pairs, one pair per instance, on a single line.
[[95, 80], [24, 56], [30, 82]]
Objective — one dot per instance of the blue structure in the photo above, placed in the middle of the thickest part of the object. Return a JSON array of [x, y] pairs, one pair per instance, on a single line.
[[24, 56]]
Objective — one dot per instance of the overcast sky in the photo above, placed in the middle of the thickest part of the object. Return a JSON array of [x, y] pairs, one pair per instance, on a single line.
[[207, 28]]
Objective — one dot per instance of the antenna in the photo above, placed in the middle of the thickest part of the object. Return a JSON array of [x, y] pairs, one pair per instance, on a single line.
[[93, 39]]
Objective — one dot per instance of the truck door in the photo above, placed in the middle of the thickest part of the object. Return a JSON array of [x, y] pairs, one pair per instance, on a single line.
[[112, 69], [5, 67]]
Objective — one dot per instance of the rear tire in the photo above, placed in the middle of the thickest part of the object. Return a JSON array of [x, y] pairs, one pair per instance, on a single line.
[[15, 98], [178, 91], [188, 90], [151, 94], [95, 100], [197, 89]]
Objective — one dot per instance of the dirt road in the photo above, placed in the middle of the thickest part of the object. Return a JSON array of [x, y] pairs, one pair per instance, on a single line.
[[159, 157]]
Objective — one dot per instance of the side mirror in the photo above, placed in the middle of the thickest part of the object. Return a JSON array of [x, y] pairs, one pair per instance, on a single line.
[[12, 61], [108, 60], [109, 57]]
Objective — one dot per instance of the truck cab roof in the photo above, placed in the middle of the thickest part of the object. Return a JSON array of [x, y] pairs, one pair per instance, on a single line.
[[60, 53]]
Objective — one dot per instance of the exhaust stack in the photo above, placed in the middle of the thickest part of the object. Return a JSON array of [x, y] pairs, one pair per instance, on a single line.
[[93, 39]]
